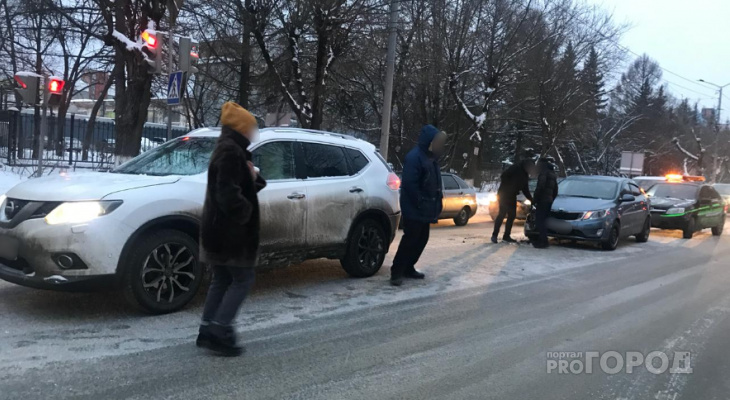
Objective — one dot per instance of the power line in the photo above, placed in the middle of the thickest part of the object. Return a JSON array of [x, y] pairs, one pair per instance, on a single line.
[[626, 49], [704, 95]]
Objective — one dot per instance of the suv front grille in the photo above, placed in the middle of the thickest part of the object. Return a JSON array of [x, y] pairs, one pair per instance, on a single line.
[[36, 209]]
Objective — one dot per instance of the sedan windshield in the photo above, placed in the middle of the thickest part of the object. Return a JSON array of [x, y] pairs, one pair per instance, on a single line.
[[185, 156], [674, 191], [723, 188], [592, 189]]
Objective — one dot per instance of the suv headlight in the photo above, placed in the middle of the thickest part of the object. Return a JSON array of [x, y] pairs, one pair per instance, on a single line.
[[598, 214], [527, 202], [80, 211], [676, 210]]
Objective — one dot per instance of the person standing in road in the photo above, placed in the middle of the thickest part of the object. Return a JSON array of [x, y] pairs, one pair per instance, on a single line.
[[420, 201], [230, 229], [514, 179], [545, 193]]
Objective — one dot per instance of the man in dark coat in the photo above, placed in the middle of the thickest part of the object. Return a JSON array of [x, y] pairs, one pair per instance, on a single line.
[[230, 229], [545, 193], [514, 180], [420, 202]]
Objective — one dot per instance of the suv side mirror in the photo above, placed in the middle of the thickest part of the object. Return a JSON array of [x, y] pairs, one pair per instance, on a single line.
[[626, 197]]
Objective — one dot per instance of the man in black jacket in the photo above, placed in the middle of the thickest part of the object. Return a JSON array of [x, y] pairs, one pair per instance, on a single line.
[[421, 201], [514, 180], [545, 193], [229, 229]]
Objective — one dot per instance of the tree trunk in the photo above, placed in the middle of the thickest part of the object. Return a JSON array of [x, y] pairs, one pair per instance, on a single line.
[[244, 82], [131, 103], [88, 136]]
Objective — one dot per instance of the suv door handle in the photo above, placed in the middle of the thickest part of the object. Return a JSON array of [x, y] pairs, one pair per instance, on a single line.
[[296, 196], [356, 189]]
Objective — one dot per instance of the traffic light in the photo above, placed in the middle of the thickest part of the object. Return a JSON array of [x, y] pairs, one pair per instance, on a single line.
[[152, 47], [188, 55], [54, 91], [27, 87]]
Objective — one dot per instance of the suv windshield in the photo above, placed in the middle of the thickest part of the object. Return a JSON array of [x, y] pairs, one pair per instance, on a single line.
[[592, 189], [185, 156], [674, 191]]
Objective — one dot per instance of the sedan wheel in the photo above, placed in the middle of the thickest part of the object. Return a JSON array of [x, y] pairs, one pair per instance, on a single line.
[[462, 218], [163, 273], [643, 236], [366, 249], [612, 241]]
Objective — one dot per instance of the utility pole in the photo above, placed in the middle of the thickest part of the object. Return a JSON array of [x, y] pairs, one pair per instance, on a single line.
[[719, 102], [717, 126], [389, 72]]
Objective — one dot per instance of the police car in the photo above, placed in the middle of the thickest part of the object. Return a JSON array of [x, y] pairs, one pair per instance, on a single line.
[[688, 204]]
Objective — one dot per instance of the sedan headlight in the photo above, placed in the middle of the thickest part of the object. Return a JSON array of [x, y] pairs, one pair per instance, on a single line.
[[491, 198], [598, 214], [676, 210], [80, 211]]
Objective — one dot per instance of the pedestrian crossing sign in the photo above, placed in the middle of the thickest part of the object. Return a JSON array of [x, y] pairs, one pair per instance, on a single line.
[[173, 88]]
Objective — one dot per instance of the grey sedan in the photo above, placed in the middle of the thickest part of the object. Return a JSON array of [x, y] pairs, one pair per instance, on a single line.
[[460, 200], [597, 208]]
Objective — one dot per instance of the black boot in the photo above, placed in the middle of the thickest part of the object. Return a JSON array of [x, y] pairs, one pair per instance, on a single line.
[[413, 274], [508, 239], [494, 239], [222, 340], [203, 336], [396, 280]]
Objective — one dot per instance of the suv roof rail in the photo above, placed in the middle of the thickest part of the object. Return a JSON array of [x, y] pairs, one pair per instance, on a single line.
[[313, 131]]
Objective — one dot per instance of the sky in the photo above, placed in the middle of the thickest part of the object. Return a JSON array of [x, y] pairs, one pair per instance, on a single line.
[[690, 38]]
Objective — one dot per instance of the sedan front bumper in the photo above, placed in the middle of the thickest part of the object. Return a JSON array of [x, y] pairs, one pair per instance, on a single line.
[[584, 230]]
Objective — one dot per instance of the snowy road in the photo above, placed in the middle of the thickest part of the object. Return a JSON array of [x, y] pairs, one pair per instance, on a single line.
[[479, 326]]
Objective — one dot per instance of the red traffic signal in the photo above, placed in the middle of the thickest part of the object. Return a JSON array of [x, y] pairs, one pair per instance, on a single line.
[[149, 38], [55, 85]]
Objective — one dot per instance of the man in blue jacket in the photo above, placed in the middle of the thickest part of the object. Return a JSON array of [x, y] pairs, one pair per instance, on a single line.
[[420, 202]]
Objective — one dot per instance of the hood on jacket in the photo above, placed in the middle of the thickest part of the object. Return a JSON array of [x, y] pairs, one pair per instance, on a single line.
[[544, 164], [428, 133]]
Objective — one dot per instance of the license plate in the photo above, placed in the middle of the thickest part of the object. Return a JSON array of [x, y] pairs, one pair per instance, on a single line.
[[9, 247]]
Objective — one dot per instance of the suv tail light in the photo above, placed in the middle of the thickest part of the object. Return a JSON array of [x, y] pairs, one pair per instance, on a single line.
[[393, 181]]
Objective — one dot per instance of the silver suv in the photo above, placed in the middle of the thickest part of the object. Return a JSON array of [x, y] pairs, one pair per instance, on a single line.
[[328, 195]]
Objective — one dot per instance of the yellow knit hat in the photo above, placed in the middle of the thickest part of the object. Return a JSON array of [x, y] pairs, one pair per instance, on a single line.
[[238, 118]]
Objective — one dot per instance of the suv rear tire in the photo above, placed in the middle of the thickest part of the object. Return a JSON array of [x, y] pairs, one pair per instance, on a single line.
[[162, 272], [463, 217], [366, 248]]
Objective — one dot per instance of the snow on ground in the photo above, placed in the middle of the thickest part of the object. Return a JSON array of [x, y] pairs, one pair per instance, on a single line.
[[8, 179]]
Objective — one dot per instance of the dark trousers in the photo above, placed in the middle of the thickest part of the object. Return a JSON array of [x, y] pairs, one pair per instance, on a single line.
[[415, 237], [541, 216], [507, 207], [229, 287]]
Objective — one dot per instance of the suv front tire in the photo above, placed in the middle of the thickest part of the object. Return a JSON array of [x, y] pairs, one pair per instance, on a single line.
[[162, 272]]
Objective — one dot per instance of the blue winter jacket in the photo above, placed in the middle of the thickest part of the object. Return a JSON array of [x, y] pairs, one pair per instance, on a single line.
[[421, 195]]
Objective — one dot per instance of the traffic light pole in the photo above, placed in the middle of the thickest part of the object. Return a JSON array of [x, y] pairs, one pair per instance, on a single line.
[[170, 46]]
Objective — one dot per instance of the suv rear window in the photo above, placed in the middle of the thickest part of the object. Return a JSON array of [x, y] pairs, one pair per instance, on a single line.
[[322, 160], [357, 160]]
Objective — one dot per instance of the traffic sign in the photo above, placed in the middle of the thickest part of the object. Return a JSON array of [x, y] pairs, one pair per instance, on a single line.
[[173, 88]]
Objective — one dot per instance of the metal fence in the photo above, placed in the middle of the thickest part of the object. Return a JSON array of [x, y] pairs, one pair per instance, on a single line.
[[77, 149]]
